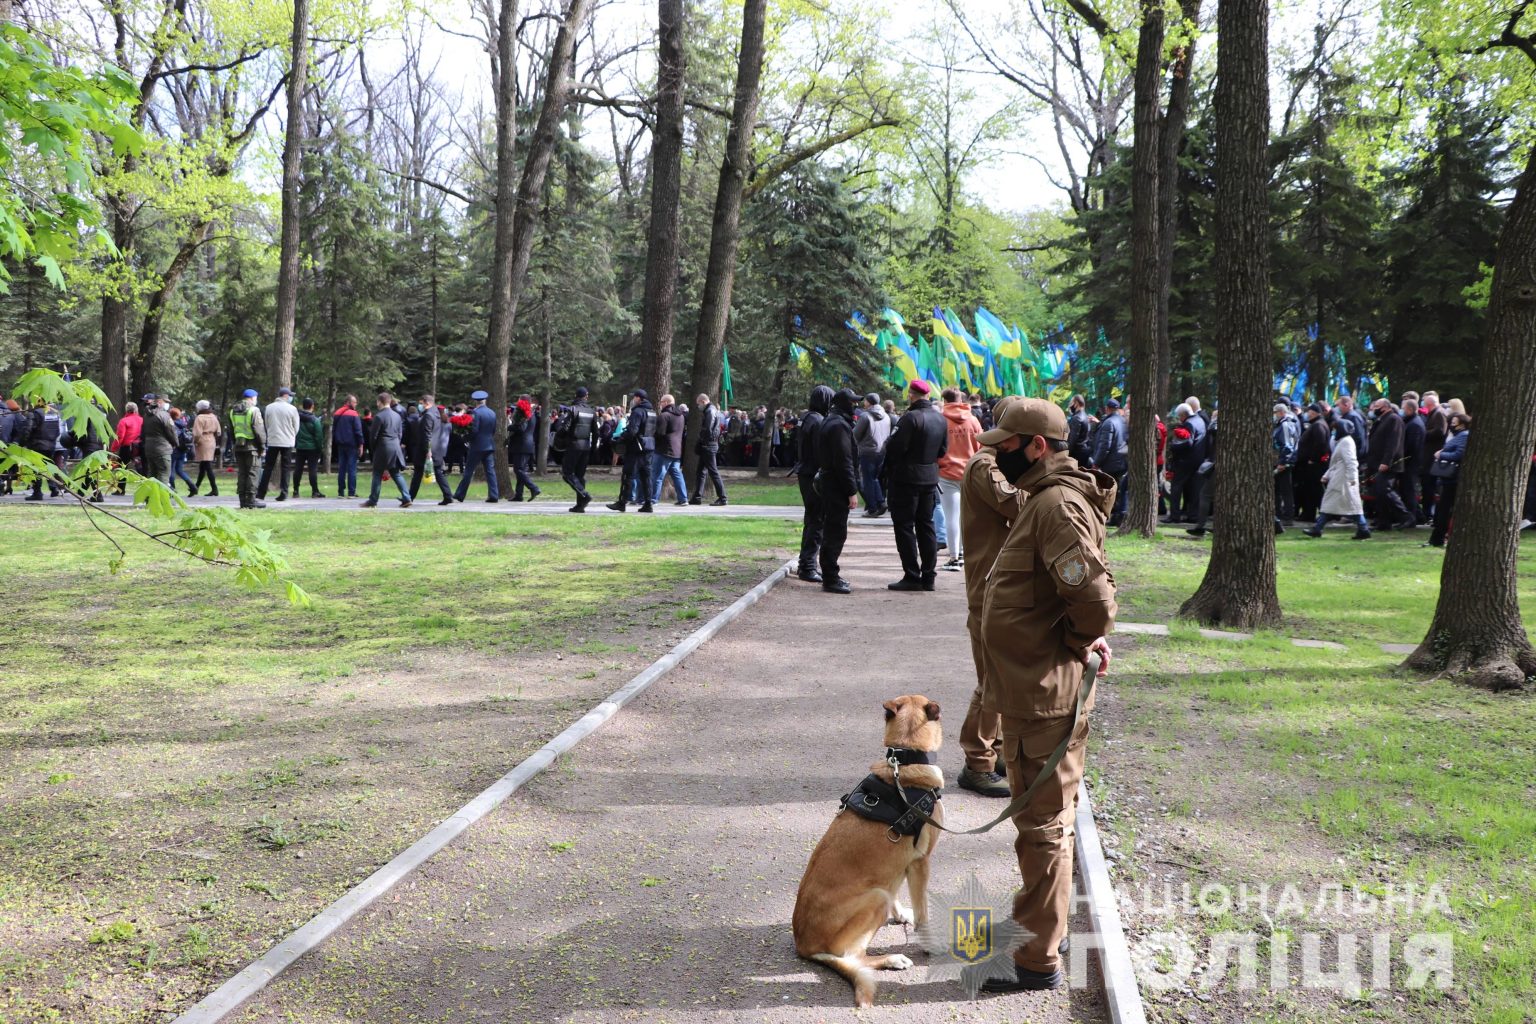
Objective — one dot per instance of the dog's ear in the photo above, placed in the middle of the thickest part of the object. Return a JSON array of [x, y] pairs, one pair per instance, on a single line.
[[932, 711], [890, 709]]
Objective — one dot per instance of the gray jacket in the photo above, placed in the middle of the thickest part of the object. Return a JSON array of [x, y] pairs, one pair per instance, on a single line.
[[871, 431], [438, 431], [386, 440], [282, 424]]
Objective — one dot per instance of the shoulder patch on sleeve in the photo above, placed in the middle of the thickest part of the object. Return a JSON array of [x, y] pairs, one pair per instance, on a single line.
[[1071, 567]]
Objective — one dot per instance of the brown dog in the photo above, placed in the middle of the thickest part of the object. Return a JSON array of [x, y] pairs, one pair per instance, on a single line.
[[850, 885]]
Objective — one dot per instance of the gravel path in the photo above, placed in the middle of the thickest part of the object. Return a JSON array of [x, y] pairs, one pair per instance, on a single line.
[[651, 874]]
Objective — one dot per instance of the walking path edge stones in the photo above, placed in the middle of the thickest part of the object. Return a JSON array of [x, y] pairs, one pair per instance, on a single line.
[[1120, 988], [229, 996]]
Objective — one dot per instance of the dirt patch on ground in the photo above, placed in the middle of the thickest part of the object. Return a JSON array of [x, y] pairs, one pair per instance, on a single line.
[[151, 850]]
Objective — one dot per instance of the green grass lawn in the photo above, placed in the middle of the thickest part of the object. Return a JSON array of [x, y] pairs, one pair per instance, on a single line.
[[189, 768], [1272, 764]]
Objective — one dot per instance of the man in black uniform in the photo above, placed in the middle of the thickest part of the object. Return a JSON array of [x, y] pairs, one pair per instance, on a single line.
[[911, 464], [1080, 432], [574, 436], [837, 481], [805, 471], [639, 443]]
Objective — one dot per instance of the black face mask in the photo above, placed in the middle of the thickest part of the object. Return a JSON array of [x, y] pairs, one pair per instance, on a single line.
[[1014, 464]]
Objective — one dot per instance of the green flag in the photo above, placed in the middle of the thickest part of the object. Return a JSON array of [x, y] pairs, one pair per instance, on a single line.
[[725, 378]]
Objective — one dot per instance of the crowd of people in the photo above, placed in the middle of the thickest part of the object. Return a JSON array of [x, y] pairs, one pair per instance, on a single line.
[[1396, 463]]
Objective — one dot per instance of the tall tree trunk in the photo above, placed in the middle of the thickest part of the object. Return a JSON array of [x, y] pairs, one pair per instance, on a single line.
[[1146, 164], [775, 400], [524, 204], [1239, 584], [661, 258], [288, 254], [142, 363], [1171, 147], [546, 399], [1476, 632], [498, 337], [114, 320], [725, 230]]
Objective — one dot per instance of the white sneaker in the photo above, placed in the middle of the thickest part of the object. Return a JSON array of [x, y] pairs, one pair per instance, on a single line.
[[954, 565]]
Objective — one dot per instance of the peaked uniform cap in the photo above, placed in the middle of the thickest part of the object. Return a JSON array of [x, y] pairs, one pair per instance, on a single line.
[[1027, 417]]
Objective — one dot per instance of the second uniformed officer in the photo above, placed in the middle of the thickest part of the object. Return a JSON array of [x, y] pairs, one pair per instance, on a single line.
[[574, 436], [250, 434], [1049, 602], [988, 505]]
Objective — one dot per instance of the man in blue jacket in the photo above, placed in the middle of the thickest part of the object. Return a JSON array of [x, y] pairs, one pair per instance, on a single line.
[[347, 432], [1111, 447], [482, 450]]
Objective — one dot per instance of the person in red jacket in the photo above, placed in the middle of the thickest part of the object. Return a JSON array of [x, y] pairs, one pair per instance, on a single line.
[[129, 441]]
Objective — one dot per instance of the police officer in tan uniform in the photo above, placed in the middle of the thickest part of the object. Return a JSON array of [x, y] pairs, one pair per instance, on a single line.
[[1049, 601], [988, 503]]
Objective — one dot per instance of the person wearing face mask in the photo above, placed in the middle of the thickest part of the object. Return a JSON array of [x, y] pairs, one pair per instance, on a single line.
[[837, 483], [988, 504], [1049, 603], [1385, 453], [819, 403], [159, 440], [1311, 461]]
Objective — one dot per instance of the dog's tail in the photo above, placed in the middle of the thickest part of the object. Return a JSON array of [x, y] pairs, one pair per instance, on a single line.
[[858, 973]]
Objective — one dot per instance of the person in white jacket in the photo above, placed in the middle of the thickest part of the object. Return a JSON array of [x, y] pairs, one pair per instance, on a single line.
[[282, 422], [1342, 498]]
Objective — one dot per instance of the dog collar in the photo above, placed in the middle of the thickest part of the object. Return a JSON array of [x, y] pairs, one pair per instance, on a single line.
[[906, 756]]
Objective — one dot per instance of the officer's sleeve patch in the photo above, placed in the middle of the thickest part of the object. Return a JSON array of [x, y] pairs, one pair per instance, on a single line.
[[1072, 567]]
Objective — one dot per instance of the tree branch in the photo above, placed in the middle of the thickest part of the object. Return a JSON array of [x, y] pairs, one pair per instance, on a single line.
[[790, 160], [460, 196]]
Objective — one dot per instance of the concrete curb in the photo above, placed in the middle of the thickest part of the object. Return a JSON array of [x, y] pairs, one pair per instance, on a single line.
[[230, 995], [1120, 990]]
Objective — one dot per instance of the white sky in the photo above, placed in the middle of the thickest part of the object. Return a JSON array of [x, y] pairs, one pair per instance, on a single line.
[[1006, 183]]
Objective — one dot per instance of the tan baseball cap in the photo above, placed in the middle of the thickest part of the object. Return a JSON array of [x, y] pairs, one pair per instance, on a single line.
[[1027, 417]]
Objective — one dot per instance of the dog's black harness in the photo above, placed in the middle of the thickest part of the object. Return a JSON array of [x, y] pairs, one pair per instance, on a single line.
[[878, 800]]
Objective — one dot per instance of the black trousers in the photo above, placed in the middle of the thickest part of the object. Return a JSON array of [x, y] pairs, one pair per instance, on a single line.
[[206, 471], [1408, 490], [1184, 494], [707, 464], [303, 460], [1309, 489], [522, 468], [810, 529], [834, 534], [1429, 490], [1390, 510], [1444, 509], [277, 459], [916, 541], [419, 470], [637, 469], [1285, 494], [573, 470]]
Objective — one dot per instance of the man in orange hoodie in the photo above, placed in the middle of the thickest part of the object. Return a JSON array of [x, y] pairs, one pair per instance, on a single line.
[[963, 430]]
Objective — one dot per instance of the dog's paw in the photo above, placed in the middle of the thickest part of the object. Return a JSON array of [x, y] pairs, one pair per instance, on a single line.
[[901, 915], [897, 962]]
